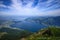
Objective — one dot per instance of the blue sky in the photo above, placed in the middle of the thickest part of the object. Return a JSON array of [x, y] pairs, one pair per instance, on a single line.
[[30, 7]]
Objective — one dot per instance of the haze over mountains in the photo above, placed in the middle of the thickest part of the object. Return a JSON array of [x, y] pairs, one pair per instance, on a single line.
[[32, 24]]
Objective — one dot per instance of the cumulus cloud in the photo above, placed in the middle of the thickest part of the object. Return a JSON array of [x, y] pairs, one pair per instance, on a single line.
[[17, 9]]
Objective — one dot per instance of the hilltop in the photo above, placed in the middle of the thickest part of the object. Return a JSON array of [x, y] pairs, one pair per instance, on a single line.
[[50, 33]]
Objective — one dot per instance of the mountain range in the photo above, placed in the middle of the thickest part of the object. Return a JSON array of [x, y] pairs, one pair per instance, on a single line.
[[30, 28], [32, 24]]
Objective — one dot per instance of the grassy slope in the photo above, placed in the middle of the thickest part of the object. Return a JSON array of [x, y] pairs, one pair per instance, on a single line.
[[12, 34], [40, 36]]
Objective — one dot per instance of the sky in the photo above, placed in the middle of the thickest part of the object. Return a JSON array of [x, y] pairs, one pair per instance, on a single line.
[[30, 7]]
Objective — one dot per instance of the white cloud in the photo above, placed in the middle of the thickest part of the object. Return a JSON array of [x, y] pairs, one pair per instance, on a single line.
[[1, 4], [53, 12], [17, 9]]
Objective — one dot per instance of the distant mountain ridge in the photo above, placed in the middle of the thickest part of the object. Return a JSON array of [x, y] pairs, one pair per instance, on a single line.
[[28, 28], [31, 23]]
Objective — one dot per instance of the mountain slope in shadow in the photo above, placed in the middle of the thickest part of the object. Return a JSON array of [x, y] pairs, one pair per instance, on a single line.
[[12, 34]]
